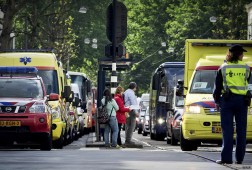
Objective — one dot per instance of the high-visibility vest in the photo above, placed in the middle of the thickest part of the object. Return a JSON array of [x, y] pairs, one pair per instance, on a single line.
[[235, 77]]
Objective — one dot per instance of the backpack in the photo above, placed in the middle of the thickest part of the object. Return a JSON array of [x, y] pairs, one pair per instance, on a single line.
[[103, 117]]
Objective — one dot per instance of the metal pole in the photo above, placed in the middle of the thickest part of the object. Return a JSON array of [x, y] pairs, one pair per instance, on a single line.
[[114, 44]]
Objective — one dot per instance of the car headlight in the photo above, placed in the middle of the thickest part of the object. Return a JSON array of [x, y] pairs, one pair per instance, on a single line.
[[38, 107], [192, 109], [56, 113], [161, 121]]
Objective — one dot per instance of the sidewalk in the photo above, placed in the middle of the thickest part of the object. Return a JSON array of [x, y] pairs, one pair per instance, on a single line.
[[92, 142]]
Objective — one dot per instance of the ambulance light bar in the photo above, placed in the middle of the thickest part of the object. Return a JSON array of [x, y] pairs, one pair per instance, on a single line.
[[18, 70]]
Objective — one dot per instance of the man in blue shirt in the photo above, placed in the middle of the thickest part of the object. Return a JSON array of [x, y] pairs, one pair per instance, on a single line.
[[130, 99]]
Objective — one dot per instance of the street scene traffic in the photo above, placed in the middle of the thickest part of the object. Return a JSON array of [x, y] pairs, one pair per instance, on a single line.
[[122, 84]]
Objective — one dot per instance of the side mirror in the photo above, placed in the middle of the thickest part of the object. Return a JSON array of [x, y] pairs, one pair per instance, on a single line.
[[67, 91], [53, 97], [180, 88], [88, 86], [76, 102], [71, 97], [155, 82]]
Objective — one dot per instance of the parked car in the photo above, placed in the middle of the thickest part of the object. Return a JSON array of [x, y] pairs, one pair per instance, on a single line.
[[139, 124], [26, 117], [79, 110], [174, 118], [145, 124]]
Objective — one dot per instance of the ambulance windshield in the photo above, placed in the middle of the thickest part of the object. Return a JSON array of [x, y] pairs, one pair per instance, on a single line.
[[203, 81], [50, 80]]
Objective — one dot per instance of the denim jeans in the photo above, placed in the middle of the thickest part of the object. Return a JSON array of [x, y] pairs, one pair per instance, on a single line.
[[113, 125]]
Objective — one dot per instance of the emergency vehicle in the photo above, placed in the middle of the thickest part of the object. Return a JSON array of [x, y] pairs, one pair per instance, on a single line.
[[25, 115], [161, 96], [201, 121], [51, 71]]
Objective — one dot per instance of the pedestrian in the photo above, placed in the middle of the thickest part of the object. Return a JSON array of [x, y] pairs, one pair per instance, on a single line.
[[130, 99], [120, 114], [112, 107], [232, 98]]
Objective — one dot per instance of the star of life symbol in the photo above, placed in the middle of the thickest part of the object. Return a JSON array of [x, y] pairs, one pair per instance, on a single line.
[[25, 60]]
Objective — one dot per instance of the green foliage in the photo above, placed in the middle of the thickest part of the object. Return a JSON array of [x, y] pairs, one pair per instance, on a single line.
[[58, 25]]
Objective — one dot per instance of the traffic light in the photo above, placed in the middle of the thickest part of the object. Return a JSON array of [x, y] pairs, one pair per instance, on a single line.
[[120, 51]]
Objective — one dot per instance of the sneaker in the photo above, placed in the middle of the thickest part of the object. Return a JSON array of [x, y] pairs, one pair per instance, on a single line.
[[116, 147], [222, 162]]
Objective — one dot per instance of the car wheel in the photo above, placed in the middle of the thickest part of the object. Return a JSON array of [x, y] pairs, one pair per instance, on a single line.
[[160, 137], [139, 130], [46, 144], [185, 144], [144, 133], [59, 143], [152, 136], [174, 141]]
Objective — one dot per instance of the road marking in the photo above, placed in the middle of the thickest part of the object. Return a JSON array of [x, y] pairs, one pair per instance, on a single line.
[[91, 149]]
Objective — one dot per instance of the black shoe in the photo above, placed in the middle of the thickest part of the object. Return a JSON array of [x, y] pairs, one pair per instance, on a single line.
[[238, 162], [223, 162]]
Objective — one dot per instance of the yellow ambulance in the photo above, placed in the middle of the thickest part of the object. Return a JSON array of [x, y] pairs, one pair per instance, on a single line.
[[201, 121], [51, 71]]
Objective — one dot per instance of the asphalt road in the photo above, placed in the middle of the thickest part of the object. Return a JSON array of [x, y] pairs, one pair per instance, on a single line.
[[155, 155]]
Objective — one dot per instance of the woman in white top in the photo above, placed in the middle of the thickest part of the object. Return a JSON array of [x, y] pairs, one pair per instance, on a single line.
[[112, 107]]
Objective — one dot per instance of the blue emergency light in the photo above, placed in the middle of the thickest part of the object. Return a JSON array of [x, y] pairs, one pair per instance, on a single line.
[[18, 70]]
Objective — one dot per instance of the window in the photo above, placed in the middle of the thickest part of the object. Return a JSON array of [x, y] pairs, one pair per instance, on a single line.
[[203, 81], [21, 88]]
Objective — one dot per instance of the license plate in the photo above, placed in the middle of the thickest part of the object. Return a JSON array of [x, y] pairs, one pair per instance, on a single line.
[[216, 129], [10, 123]]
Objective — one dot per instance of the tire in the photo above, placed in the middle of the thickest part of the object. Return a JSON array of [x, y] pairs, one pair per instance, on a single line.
[[144, 133], [152, 136], [168, 137], [139, 130], [160, 137], [185, 144], [58, 144], [46, 144], [174, 141]]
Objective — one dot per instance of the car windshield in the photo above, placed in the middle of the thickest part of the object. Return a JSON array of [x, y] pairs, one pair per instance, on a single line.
[[203, 81], [80, 80], [173, 74], [20, 88], [50, 80]]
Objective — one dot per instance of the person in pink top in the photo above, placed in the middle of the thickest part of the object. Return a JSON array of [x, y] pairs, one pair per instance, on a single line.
[[120, 114]]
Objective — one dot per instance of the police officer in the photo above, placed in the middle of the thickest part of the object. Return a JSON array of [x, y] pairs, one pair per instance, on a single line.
[[232, 98]]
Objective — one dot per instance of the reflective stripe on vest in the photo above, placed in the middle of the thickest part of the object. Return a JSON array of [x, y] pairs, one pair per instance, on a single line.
[[235, 77]]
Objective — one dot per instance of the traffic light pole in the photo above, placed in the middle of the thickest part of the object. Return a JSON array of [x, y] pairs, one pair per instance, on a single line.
[[114, 44]]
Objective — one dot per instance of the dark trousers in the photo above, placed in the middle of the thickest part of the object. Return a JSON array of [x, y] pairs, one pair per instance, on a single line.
[[234, 107], [119, 141]]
